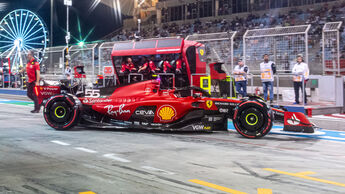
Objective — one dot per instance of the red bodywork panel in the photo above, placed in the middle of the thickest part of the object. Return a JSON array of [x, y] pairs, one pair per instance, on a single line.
[[45, 92], [168, 107]]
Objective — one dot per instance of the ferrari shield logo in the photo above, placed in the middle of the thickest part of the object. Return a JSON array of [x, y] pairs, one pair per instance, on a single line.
[[209, 103]]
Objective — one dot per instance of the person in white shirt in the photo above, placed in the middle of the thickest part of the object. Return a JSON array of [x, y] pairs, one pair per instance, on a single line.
[[240, 72], [68, 72], [301, 76], [267, 68]]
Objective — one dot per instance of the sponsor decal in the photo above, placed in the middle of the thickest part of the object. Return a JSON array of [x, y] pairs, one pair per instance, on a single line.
[[136, 123], [49, 89], [201, 127], [278, 113], [144, 123], [166, 113], [116, 112], [209, 103], [223, 110], [225, 103], [156, 124], [293, 120], [198, 127], [144, 112], [210, 119], [96, 100]]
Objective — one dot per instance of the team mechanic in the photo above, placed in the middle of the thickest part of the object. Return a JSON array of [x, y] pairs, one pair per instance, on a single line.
[[33, 72]]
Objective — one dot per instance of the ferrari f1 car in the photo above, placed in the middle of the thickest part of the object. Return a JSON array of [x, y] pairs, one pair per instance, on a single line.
[[145, 105]]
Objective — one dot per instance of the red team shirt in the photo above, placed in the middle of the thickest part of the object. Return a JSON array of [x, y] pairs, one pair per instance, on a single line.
[[31, 69], [128, 67], [178, 64], [167, 65], [151, 65]]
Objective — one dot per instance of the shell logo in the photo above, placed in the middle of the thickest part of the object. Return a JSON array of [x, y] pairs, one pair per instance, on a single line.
[[166, 113]]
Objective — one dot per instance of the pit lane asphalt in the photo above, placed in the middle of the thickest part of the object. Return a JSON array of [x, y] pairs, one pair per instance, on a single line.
[[34, 158]]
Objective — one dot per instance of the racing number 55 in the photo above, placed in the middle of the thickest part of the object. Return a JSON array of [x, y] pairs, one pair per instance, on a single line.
[[92, 93]]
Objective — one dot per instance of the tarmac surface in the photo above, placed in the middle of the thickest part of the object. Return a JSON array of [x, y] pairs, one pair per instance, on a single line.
[[35, 158]]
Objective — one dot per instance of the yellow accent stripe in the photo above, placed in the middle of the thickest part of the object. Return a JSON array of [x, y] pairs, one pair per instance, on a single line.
[[264, 191], [87, 192], [220, 188], [306, 177]]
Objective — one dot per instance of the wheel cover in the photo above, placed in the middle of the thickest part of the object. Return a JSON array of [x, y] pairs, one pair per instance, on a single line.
[[60, 112], [252, 119]]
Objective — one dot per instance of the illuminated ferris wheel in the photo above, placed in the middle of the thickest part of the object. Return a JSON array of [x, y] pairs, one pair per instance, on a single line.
[[20, 31]]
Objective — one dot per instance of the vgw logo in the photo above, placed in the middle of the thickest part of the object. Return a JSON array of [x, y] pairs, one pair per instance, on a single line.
[[293, 120]]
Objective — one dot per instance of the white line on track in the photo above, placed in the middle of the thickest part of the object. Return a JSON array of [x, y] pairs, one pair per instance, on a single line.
[[60, 143], [113, 157], [157, 170], [337, 138], [85, 150]]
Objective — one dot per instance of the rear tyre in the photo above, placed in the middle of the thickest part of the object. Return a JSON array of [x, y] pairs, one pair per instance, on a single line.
[[61, 112], [252, 119]]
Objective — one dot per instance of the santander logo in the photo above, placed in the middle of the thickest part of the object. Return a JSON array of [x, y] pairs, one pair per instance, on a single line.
[[294, 120]]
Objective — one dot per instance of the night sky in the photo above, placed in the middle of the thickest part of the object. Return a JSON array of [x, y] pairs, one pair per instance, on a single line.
[[102, 18]]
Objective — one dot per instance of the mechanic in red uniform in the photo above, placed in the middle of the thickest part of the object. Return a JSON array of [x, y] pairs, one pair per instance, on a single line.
[[167, 67], [33, 72], [149, 66], [128, 66], [179, 63], [180, 75]]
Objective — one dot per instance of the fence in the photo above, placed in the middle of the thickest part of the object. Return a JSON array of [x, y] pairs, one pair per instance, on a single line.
[[219, 46], [53, 61], [85, 56], [283, 44], [104, 55], [330, 49]]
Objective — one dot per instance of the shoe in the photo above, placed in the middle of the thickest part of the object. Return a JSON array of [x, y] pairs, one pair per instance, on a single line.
[[35, 111], [296, 103]]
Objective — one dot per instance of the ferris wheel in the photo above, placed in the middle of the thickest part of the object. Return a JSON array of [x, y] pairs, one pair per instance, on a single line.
[[20, 31]]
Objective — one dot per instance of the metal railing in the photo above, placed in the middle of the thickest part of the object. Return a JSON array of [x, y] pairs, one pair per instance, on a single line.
[[135, 75], [160, 75], [197, 74]]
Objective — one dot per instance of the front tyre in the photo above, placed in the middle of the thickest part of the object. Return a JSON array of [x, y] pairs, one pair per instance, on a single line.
[[252, 119], [61, 112]]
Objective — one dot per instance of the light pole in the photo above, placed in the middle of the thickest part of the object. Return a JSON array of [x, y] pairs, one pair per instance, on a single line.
[[68, 3]]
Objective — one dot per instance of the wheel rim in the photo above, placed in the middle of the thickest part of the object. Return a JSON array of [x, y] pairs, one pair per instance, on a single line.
[[252, 119], [60, 112]]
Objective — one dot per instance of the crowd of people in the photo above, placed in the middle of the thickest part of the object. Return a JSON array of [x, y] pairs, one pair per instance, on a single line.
[[317, 17]]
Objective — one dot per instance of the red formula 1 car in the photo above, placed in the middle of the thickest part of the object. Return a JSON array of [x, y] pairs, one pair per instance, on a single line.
[[145, 105]]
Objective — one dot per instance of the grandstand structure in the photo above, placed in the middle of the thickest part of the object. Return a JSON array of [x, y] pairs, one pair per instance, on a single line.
[[332, 64], [219, 47], [283, 44]]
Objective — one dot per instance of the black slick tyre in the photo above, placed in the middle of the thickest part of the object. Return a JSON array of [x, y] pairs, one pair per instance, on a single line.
[[252, 119], [61, 112]]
